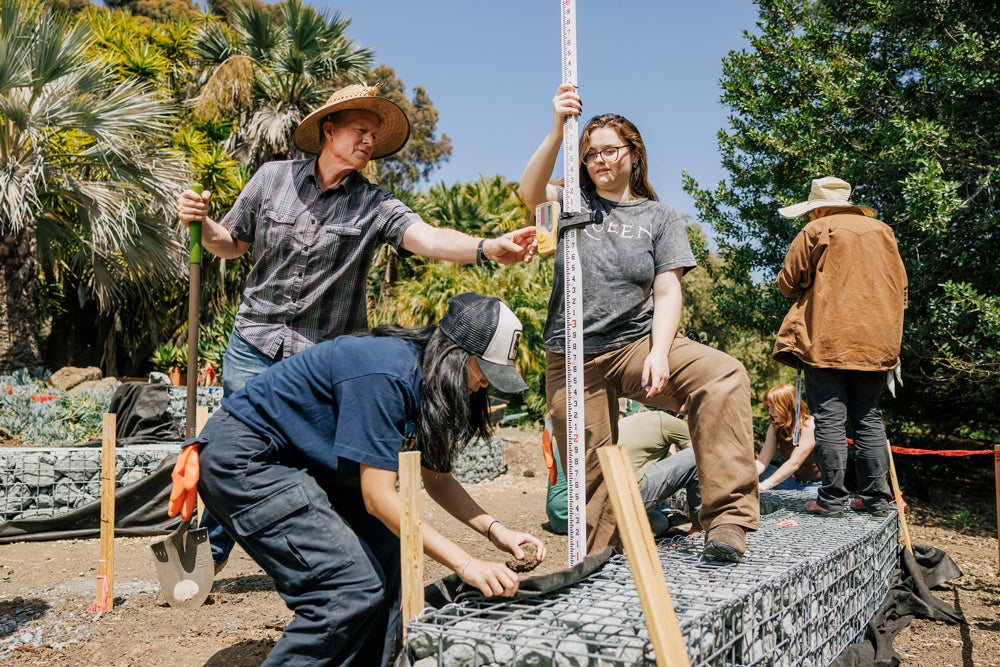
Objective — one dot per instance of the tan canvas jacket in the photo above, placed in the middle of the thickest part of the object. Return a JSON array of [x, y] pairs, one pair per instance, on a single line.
[[851, 287]]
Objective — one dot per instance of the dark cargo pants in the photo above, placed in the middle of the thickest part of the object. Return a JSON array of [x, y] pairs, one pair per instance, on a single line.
[[334, 565]]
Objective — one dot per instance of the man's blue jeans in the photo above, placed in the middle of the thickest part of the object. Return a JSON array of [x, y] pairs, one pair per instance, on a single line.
[[836, 398], [241, 363], [335, 566]]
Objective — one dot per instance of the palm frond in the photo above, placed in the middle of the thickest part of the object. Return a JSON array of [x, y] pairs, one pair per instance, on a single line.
[[228, 91]]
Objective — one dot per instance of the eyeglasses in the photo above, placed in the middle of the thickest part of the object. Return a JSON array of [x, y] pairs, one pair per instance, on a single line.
[[609, 154]]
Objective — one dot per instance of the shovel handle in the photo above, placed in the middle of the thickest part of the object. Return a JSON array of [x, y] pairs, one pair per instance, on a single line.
[[194, 303], [194, 232]]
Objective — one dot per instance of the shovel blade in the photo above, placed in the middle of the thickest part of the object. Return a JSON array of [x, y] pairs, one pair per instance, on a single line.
[[184, 566]]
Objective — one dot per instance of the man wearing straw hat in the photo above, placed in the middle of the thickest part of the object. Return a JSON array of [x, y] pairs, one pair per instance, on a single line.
[[315, 225], [844, 332]]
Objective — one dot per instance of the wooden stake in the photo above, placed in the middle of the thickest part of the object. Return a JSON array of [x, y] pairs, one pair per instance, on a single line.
[[996, 482], [643, 559], [411, 546], [106, 560], [200, 417], [898, 494]]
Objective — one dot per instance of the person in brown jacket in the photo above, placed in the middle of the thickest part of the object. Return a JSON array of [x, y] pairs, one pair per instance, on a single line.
[[844, 332]]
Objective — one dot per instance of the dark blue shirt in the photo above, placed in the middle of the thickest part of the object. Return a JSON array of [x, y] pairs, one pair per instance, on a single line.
[[336, 405]]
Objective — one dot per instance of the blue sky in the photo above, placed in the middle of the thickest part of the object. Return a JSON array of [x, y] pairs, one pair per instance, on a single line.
[[491, 69]]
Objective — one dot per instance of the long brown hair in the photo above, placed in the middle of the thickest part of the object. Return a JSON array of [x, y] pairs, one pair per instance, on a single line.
[[782, 398], [639, 178]]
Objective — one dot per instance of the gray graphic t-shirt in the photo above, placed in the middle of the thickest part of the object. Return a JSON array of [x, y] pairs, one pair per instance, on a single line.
[[620, 258]]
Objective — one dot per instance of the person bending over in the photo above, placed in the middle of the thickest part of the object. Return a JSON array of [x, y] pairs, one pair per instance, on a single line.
[[300, 465], [315, 225], [797, 470]]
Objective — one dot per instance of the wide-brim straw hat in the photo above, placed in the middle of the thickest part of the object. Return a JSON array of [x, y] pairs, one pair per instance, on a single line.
[[827, 192], [393, 131]]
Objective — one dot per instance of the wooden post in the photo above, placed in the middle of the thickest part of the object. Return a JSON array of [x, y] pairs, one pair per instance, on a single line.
[[411, 546], [200, 417], [898, 494], [996, 482], [106, 560], [643, 559]]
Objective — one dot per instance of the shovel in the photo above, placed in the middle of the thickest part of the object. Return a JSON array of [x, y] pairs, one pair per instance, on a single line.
[[184, 558], [184, 566], [194, 305]]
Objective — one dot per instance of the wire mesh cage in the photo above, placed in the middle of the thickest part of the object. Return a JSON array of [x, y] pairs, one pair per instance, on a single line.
[[41, 482], [806, 590]]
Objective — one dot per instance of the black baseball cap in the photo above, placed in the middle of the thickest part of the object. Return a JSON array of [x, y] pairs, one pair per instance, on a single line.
[[487, 329]]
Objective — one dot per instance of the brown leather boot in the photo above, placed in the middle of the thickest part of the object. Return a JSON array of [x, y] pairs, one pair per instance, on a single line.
[[726, 542]]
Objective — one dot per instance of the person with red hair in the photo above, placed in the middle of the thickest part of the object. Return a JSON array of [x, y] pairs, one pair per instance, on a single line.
[[797, 470]]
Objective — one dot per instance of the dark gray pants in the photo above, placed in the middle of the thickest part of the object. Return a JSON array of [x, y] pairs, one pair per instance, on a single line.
[[836, 398], [334, 565]]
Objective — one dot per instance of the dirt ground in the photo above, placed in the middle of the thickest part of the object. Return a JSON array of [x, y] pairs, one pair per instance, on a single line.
[[46, 587]]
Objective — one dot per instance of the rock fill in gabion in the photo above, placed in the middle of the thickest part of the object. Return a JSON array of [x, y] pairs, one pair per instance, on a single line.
[[806, 590]]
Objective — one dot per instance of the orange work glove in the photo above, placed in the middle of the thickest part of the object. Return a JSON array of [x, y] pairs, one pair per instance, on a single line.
[[550, 459], [184, 491]]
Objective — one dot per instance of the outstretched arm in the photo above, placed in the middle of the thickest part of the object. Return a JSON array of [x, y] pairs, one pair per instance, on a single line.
[[767, 451], [534, 187], [454, 246]]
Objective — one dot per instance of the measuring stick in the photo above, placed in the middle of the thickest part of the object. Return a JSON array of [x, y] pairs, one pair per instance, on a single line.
[[996, 482], [576, 501], [572, 218]]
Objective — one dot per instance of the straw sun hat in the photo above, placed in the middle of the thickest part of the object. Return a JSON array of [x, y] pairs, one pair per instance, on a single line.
[[394, 128], [827, 192]]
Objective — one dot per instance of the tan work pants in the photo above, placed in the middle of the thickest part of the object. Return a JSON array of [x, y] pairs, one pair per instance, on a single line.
[[707, 385]]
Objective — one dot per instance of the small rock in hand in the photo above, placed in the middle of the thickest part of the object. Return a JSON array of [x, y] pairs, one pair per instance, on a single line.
[[529, 562]]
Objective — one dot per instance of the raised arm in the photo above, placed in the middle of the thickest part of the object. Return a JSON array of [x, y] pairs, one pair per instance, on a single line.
[[214, 237], [534, 187]]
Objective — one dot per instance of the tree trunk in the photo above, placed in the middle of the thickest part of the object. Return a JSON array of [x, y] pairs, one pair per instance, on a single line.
[[18, 332]]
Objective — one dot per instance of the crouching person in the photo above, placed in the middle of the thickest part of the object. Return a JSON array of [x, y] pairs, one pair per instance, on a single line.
[[301, 467]]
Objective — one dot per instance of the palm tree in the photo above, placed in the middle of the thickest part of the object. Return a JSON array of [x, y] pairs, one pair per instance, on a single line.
[[269, 69], [86, 179], [488, 207]]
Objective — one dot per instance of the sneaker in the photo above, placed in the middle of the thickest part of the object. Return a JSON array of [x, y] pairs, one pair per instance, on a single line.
[[858, 505], [813, 507], [726, 542]]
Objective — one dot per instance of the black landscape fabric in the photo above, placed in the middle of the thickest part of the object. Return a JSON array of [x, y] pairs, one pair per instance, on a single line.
[[909, 597]]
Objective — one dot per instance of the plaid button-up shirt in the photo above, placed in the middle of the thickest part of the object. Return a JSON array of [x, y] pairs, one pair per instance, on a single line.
[[311, 254]]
